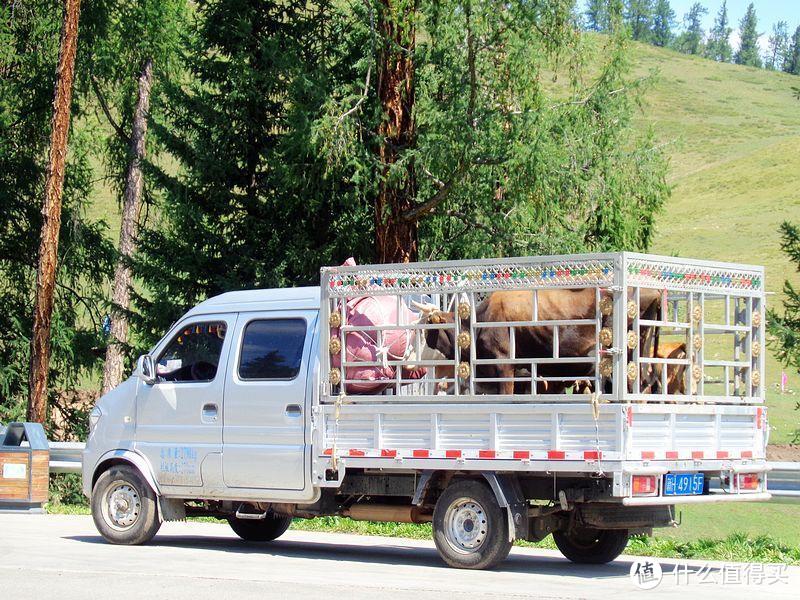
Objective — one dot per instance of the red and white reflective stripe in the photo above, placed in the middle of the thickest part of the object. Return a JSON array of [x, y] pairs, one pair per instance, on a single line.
[[759, 417], [534, 455], [471, 454], [695, 455]]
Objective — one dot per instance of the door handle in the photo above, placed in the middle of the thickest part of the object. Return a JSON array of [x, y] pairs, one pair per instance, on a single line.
[[209, 414], [293, 410]]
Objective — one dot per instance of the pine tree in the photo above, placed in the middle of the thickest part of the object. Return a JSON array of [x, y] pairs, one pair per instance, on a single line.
[[663, 23], [792, 63], [691, 40], [778, 47], [596, 15], [131, 44], [748, 52], [719, 47], [250, 204], [785, 328], [639, 17], [28, 58]]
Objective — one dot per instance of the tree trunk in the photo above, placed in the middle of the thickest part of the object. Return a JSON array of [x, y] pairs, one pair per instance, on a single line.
[[396, 236], [51, 215], [121, 294]]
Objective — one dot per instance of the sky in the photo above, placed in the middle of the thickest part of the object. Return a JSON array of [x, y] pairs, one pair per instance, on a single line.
[[767, 11]]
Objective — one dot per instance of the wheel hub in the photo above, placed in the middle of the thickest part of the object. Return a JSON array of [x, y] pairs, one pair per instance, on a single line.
[[122, 505], [465, 525]]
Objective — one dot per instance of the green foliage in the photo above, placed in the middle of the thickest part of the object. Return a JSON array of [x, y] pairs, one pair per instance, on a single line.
[[27, 66], [508, 163], [65, 490], [748, 53], [596, 15], [249, 205], [691, 40], [719, 47], [778, 47], [786, 327], [792, 63], [663, 24], [639, 18]]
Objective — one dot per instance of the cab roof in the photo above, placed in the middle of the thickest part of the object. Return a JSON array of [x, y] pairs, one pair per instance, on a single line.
[[299, 298]]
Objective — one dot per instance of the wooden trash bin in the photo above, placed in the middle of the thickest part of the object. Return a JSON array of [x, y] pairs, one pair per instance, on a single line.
[[24, 467]]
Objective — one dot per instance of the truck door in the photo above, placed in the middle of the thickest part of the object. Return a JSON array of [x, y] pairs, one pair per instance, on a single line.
[[265, 401], [179, 418]]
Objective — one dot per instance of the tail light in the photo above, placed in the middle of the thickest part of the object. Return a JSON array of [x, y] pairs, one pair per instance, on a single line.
[[644, 485], [748, 481]]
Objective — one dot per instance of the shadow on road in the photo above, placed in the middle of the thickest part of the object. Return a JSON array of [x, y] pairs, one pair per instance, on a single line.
[[389, 555]]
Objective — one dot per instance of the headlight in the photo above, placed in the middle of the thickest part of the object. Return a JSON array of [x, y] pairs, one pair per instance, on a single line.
[[94, 417]]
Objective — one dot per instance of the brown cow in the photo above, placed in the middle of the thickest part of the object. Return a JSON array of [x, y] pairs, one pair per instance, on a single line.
[[533, 341], [676, 380]]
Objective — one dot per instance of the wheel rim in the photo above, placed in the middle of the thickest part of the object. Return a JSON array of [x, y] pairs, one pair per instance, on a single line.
[[466, 525], [121, 505]]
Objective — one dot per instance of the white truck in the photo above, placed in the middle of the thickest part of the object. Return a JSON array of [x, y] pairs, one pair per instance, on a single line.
[[581, 396]]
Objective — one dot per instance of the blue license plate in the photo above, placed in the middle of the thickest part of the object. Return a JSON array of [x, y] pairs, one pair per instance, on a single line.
[[683, 484]]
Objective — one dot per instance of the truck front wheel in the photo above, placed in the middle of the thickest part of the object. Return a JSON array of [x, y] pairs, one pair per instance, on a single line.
[[591, 546], [124, 506], [469, 527], [267, 529]]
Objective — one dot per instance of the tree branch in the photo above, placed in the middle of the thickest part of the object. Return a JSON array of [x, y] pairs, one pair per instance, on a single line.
[[120, 132]]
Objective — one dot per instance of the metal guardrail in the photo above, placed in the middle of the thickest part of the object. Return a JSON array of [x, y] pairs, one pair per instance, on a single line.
[[65, 457], [783, 479]]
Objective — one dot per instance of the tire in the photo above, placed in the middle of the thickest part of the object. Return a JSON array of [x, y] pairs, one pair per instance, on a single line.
[[469, 528], [260, 530], [591, 546], [124, 506]]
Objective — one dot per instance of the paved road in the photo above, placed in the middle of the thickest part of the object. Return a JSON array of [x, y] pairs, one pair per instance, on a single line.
[[63, 557]]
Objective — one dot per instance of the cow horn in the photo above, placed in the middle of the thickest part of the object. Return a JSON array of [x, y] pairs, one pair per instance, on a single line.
[[427, 311]]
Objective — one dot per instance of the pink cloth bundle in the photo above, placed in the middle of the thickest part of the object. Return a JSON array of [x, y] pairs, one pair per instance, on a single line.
[[363, 346]]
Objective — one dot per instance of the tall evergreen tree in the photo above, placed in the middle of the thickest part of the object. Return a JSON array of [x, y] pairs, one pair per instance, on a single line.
[[748, 52], [785, 328], [131, 45], [691, 40], [719, 46], [488, 146], [778, 47], [596, 15], [28, 58], [639, 17], [663, 24], [249, 205], [792, 63]]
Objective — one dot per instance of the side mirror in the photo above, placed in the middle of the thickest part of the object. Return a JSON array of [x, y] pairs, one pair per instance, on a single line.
[[146, 369]]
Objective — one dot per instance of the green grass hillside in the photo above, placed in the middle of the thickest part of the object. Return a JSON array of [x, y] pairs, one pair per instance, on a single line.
[[733, 137]]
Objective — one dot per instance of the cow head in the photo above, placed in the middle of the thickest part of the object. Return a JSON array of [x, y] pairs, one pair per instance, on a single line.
[[439, 340]]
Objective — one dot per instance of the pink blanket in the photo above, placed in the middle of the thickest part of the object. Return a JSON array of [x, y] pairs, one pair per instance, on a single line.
[[369, 346]]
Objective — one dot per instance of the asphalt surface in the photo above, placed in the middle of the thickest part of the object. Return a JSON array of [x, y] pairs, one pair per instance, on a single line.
[[63, 557]]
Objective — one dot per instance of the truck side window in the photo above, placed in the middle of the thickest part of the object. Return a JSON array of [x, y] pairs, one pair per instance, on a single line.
[[272, 349], [193, 354]]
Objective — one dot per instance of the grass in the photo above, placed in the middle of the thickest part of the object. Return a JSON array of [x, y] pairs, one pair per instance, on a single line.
[[733, 137], [761, 540]]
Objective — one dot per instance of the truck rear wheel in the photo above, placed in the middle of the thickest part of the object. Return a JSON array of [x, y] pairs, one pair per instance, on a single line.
[[124, 506], [267, 529], [469, 528], [591, 546]]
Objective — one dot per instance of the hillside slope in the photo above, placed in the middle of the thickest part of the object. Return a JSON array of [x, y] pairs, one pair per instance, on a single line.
[[733, 135]]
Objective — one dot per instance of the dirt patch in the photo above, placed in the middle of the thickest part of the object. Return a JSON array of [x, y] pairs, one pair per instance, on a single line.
[[783, 452]]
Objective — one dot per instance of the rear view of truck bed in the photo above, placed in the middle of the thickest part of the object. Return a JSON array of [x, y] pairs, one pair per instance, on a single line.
[[638, 369]]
